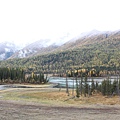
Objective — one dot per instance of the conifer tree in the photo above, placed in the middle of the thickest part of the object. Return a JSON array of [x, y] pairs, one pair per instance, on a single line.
[[85, 86], [77, 88], [103, 87], [92, 86]]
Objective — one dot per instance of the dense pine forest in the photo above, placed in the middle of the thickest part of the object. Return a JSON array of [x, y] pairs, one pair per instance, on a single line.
[[18, 75]]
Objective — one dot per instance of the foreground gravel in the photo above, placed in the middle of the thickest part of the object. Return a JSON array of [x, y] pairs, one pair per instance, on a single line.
[[11, 110]]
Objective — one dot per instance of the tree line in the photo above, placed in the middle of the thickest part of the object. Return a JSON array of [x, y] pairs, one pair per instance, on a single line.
[[87, 87], [19, 75]]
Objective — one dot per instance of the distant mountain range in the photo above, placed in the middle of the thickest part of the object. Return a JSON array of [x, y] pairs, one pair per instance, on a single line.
[[46, 46]]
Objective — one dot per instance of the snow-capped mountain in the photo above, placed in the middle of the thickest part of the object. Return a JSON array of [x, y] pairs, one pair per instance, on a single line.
[[35, 47], [16, 50], [7, 49], [41, 46]]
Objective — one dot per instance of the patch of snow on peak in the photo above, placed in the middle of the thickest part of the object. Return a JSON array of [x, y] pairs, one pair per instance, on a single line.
[[7, 50], [2, 56]]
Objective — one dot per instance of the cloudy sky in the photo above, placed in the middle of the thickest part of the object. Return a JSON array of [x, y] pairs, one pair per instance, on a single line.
[[30, 20]]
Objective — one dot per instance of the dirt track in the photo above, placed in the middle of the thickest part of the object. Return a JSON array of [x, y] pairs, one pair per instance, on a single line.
[[11, 110]]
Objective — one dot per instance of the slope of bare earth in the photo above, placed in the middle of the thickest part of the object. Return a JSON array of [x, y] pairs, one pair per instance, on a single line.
[[52, 104]]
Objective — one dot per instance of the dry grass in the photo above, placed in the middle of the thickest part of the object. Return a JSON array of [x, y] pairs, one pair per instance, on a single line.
[[56, 97]]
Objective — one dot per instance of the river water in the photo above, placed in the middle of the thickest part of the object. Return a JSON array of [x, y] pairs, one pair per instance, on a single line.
[[61, 81], [2, 87]]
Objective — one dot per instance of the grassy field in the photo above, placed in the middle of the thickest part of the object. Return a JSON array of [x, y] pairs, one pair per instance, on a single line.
[[53, 95]]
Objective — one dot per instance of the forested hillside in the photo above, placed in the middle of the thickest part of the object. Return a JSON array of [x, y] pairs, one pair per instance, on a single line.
[[111, 39], [99, 51]]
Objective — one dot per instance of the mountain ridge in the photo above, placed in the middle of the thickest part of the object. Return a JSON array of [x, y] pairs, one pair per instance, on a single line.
[[46, 46]]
